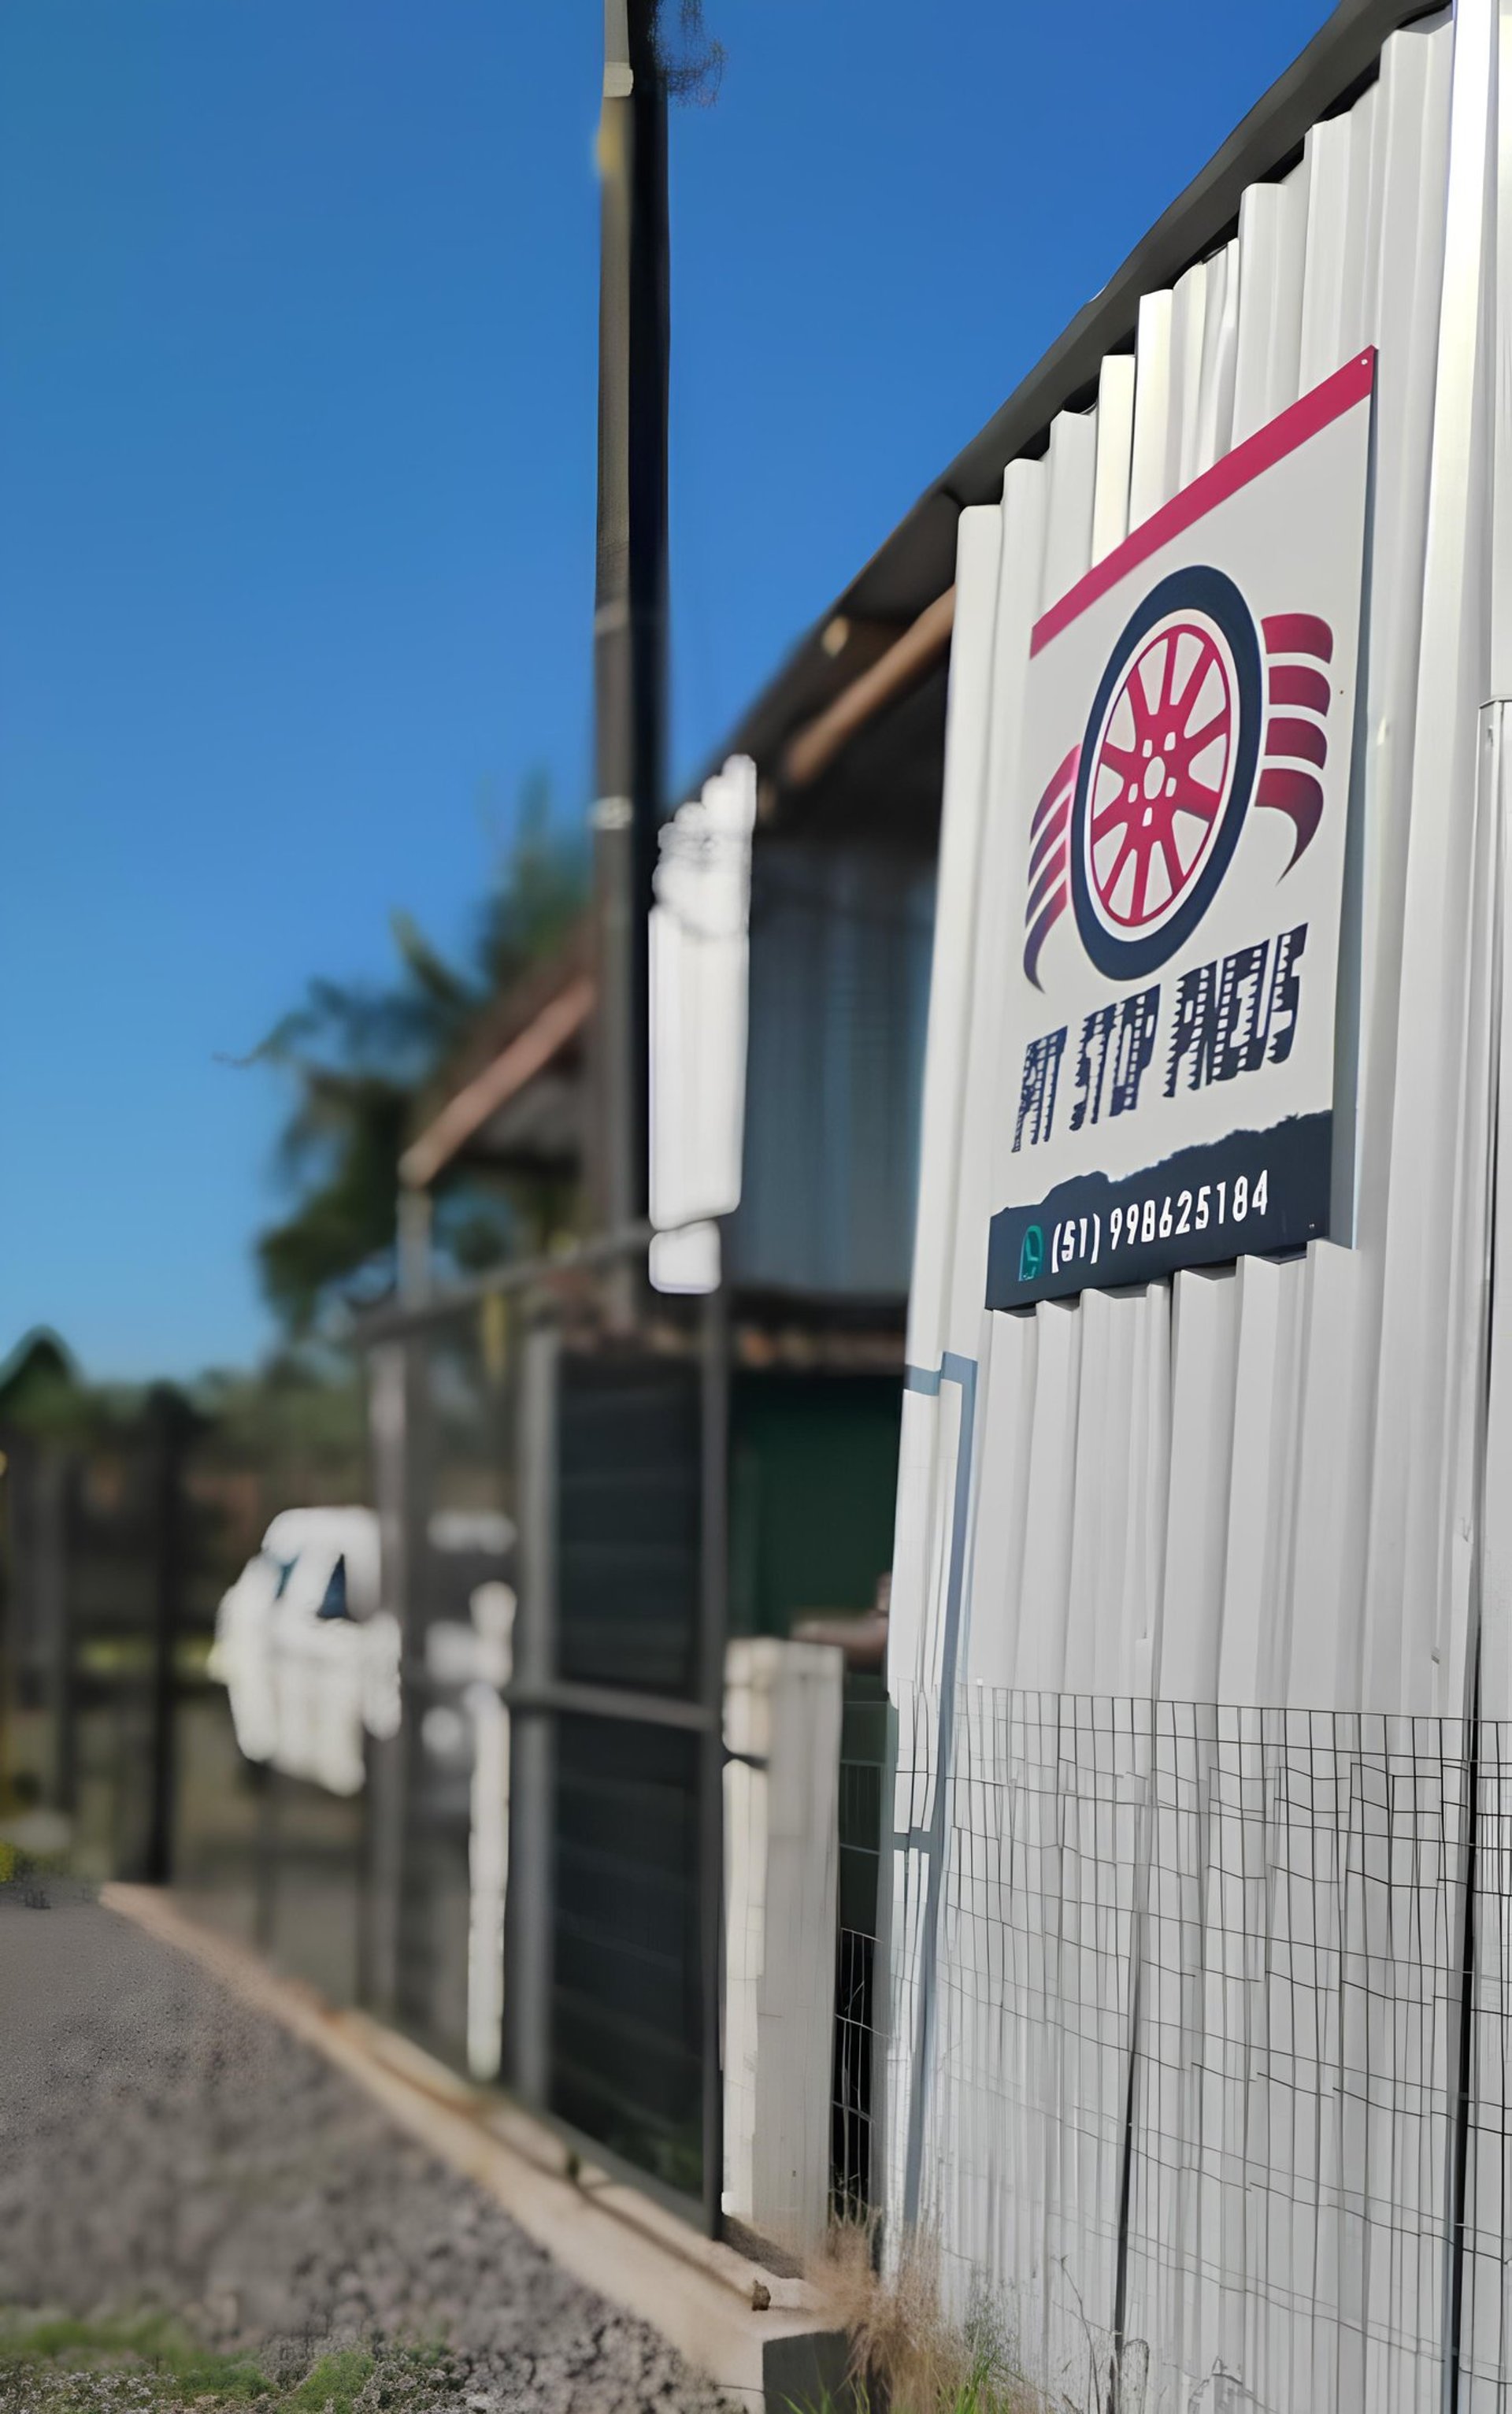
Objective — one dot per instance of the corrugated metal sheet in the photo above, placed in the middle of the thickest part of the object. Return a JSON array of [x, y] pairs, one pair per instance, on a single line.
[[840, 981], [1257, 1487]]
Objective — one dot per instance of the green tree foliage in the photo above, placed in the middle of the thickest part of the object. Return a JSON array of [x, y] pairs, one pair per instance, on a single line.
[[359, 1059], [39, 1385], [691, 60]]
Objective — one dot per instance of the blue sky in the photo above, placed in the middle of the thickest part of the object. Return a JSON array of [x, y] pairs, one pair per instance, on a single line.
[[296, 326]]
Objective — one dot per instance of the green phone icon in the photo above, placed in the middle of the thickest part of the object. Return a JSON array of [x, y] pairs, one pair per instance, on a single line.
[[1031, 1255]]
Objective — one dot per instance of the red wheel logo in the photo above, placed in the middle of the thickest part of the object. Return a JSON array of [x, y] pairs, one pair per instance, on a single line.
[[1162, 774], [1139, 821], [1166, 772]]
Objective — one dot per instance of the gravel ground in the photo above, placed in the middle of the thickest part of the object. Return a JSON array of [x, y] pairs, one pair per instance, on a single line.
[[162, 2145]]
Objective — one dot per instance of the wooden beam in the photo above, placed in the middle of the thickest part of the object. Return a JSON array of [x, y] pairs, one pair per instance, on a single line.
[[902, 666], [499, 1081]]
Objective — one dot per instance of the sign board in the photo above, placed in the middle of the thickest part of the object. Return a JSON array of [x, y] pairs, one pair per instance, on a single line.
[[1183, 793]]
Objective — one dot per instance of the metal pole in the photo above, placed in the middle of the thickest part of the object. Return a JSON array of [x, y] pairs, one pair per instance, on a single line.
[[629, 605], [414, 1909], [398, 1408], [265, 1856], [413, 1220], [714, 1622], [533, 1757]]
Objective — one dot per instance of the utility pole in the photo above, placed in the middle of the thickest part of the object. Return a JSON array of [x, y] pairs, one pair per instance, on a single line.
[[629, 628]]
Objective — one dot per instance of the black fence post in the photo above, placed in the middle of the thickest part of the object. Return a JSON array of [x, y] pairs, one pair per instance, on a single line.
[[169, 1420], [55, 1488], [532, 1876]]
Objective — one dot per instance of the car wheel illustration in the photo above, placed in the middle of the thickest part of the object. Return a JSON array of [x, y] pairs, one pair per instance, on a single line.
[[1167, 771]]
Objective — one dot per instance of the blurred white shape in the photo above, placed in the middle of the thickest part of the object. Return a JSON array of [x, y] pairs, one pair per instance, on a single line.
[[492, 1607], [302, 1650], [451, 1652], [687, 1260], [382, 1697], [239, 1657], [309, 1661], [471, 1530], [700, 981], [488, 1856], [443, 1732]]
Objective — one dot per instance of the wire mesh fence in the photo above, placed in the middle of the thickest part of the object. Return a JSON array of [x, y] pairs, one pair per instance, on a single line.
[[851, 2163], [1199, 2045], [852, 2111]]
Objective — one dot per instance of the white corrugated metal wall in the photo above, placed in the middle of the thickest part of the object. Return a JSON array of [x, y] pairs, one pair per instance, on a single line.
[[1175, 2037]]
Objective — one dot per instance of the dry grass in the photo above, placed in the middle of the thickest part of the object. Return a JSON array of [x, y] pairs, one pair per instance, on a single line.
[[906, 2352]]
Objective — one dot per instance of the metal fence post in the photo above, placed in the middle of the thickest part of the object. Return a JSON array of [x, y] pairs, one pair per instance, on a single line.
[[532, 1775], [265, 1856], [398, 1422], [714, 1621]]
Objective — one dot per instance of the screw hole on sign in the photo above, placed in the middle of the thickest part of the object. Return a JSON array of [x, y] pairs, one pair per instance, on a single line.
[[1166, 770]]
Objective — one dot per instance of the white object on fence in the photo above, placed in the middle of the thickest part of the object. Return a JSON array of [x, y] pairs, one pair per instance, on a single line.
[[488, 1849], [782, 1803], [699, 979], [308, 1660]]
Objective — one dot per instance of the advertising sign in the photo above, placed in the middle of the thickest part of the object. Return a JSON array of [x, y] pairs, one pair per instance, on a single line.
[[1183, 793]]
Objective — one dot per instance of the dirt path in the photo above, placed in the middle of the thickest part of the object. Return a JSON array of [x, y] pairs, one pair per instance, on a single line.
[[163, 2146]]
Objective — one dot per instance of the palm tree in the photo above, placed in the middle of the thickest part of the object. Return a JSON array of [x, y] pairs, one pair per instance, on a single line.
[[360, 1057]]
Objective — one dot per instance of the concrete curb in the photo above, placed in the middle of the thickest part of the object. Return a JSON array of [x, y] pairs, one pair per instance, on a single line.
[[760, 2337]]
